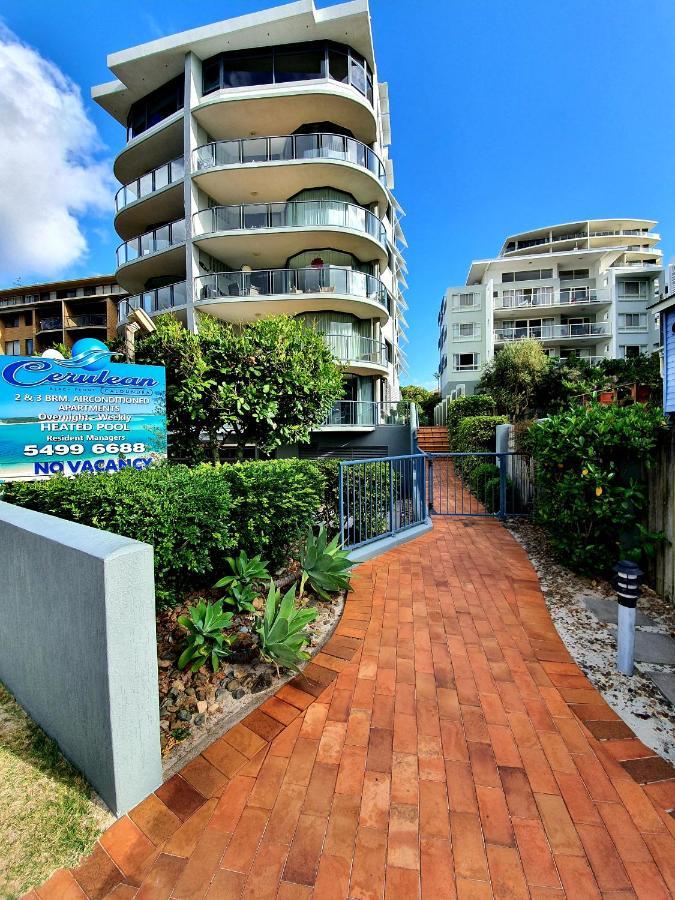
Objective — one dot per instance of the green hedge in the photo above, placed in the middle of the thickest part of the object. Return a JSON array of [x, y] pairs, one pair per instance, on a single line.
[[186, 514], [191, 516], [465, 407], [273, 503], [477, 433], [590, 465]]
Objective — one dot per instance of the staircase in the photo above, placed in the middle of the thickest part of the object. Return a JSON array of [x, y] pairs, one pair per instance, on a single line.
[[433, 439]]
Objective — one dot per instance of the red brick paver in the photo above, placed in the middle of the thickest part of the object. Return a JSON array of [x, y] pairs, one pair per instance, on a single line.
[[443, 744]]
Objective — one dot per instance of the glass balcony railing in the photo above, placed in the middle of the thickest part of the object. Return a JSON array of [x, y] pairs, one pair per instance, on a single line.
[[51, 324], [591, 360], [293, 214], [162, 238], [152, 302], [87, 321], [350, 413], [552, 332], [353, 348], [147, 184], [565, 297], [286, 148], [282, 282]]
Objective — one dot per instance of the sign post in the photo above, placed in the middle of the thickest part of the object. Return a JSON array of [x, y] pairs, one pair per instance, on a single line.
[[85, 414]]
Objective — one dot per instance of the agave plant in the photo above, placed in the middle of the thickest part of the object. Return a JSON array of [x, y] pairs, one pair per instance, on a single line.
[[206, 641], [324, 565], [281, 629], [245, 572]]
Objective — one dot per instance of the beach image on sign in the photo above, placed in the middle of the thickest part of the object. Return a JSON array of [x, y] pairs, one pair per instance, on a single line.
[[85, 414]]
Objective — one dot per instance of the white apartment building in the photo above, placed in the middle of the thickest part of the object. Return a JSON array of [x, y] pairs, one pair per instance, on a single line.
[[256, 181], [581, 288]]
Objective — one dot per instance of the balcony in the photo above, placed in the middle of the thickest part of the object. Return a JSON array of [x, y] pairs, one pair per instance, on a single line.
[[563, 360], [242, 296], [161, 189], [230, 171], [54, 323], [547, 299], [552, 332], [284, 229], [138, 253], [358, 354], [98, 320], [366, 414], [172, 296]]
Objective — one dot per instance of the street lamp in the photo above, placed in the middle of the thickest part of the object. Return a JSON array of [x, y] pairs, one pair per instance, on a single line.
[[627, 583]]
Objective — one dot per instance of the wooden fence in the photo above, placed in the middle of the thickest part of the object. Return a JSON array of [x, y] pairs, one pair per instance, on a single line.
[[662, 514]]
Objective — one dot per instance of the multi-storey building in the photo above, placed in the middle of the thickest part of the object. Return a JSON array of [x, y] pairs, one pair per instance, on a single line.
[[581, 288], [38, 316], [257, 181]]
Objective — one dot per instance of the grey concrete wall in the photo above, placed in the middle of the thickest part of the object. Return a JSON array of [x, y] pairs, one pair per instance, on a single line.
[[78, 647]]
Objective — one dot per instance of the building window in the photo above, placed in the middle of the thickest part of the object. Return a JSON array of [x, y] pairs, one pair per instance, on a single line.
[[65, 295], [632, 290], [13, 322], [466, 301], [573, 274], [633, 321], [465, 331], [156, 106], [13, 348], [527, 275], [629, 351], [30, 346], [465, 362], [90, 290], [287, 63]]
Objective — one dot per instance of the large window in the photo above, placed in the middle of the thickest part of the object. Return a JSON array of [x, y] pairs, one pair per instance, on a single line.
[[630, 289], [13, 348], [465, 362], [158, 105], [290, 62], [633, 321], [573, 274], [465, 331], [527, 275]]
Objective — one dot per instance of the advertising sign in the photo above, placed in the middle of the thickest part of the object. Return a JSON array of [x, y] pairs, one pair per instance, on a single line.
[[85, 414]]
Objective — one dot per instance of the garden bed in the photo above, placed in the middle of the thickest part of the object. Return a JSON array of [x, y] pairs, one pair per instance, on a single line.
[[592, 642], [197, 707]]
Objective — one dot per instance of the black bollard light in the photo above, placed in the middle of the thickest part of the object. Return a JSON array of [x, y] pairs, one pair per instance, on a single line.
[[627, 582]]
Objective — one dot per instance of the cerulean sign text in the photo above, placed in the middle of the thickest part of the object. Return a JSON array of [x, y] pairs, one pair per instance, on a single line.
[[86, 414]]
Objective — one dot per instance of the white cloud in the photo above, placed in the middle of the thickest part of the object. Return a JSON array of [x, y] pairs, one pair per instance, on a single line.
[[51, 172]]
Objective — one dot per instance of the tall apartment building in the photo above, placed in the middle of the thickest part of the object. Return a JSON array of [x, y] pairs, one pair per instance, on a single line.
[[38, 316], [256, 181], [581, 288]]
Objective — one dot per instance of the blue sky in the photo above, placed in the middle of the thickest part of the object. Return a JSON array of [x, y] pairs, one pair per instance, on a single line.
[[505, 116]]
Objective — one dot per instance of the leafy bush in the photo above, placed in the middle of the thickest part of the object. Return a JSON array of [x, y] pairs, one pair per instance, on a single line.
[[465, 407], [273, 501], [477, 433], [186, 514], [483, 472], [324, 565], [281, 630], [590, 480], [206, 641], [330, 504], [514, 375]]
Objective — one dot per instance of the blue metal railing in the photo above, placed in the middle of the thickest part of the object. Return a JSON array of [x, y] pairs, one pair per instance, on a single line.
[[481, 483], [381, 497]]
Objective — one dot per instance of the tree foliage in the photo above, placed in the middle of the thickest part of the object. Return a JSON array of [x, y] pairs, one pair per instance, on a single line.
[[424, 398], [514, 375], [266, 383]]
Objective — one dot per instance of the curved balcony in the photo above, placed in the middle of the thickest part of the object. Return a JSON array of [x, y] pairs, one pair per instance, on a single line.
[[366, 414], [231, 171], [553, 332], [284, 229], [358, 354], [161, 191], [159, 300], [283, 108], [150, 149], [136, 259], [243, 296]]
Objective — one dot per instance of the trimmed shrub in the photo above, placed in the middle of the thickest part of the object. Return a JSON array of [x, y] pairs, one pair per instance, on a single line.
[[590, 467], [330, 504], [273, 503], [186, 514], [477, 433], [464, 408]]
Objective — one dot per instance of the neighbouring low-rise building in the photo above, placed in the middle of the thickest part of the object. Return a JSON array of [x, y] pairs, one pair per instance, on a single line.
[[582, 288], [35, 317], [256, 180]]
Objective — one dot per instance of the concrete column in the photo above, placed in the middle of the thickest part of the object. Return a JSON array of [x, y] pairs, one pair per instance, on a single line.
[[78, 647], [193, 78]]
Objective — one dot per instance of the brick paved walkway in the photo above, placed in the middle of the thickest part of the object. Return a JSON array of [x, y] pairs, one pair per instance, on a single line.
[[443, 745]]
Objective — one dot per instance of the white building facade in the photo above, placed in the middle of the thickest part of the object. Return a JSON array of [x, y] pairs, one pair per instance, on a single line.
[[581, 288], [256, 181]]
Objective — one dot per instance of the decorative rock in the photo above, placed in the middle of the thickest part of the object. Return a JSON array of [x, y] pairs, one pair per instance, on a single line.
[[183, 715], [202, 706], [238, 694], [261, 683]]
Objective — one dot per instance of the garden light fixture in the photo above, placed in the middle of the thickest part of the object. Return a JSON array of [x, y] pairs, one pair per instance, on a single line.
[[627, 582]]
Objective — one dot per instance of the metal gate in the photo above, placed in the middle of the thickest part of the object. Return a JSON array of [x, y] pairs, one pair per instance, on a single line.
[[480, 484]]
